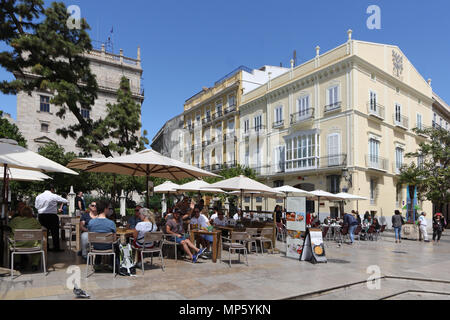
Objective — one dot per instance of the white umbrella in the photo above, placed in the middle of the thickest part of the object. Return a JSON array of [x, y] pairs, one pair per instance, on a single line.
[[199, 186], [148, 163], [350, 197], [243, 184], [24, 175], [14, 156], [320, 194], [167, 187], [288, 189]]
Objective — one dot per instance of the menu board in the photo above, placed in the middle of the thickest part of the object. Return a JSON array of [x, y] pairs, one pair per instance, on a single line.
[[313, 248], [295, 225]]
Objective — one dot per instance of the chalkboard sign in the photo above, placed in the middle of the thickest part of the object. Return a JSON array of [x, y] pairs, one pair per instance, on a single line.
[[313, 247]]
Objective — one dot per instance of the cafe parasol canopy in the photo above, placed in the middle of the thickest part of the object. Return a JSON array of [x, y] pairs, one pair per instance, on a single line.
[[291, 190], [14, 156], [320, 194], [24, 175], [167, 187], [243, 185], [147, 163], [351, 197], [199, 186]]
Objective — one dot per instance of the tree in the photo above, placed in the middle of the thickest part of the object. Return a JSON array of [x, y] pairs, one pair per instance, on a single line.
[[9, 130], [44, 53], [123, 122], [432, 176]]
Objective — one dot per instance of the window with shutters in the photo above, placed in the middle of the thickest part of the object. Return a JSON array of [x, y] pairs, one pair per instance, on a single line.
[[278, 115], [373, 101], [45, 104], [398, 159], [334, 149], [419, 121], [303, 106], [279, 157], [333, 96], [333, 184], [258, 123], [373, 191], [398, 113]]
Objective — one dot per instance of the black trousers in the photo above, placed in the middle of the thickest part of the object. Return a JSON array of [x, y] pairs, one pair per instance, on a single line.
[[51, 222], [437, 233]]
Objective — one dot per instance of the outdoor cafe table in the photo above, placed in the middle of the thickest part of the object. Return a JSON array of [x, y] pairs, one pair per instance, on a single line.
[[217, 241], [124, 234]]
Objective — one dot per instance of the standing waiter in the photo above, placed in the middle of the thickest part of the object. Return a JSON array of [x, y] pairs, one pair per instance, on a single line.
[[47, 205]]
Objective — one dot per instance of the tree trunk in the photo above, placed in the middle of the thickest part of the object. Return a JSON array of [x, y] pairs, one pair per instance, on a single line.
[[411, 207]]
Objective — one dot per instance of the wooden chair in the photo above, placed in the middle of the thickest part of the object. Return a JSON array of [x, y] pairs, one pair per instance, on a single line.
[[21, 235], [157, 239], [266, 236], [101, 238], [235, 244]]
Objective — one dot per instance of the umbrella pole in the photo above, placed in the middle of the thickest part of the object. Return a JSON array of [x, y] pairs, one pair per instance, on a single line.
[[147, 194], [4, 191]]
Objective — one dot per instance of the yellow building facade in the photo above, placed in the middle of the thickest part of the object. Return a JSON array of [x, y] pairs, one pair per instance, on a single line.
[[341, 122]]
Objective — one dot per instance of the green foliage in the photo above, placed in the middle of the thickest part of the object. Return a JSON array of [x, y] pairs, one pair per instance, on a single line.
[[38, 41], [11, 131], [123, 122], [233, 172], [433, 177]]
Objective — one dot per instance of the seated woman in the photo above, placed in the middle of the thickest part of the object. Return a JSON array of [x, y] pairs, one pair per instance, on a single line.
[[26, 221], [147, 224], [376, 224]]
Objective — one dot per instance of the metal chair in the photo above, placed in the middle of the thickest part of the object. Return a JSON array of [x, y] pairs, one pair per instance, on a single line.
[[21, 235], [380, 231], [155, 237], [101, 238], [343, 233], [169, 240], [234, 244], [281, 231], [253, 234], [70, 224], [371, 232], [266, 236], [358, 232]]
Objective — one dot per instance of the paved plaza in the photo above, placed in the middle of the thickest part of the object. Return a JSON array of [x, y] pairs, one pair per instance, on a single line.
[[410, 270]]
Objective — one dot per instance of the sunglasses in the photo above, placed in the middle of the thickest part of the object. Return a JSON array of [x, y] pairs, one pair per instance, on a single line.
[[93, 205]]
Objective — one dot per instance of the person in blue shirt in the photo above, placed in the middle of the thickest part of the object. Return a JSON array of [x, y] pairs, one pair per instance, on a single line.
[[134, 220], [102, 225], [352, 223]]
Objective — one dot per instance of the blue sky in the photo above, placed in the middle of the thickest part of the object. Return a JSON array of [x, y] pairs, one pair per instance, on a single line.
[[186, 45]]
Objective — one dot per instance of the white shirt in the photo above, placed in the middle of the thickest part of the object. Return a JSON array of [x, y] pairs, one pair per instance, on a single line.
[[236, 217], [218, 222], [214, 216], [423, 221], [47, 202], [143, 228], [201, 221]]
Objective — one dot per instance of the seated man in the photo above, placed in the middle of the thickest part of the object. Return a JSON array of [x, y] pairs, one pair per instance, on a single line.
[[202, 223], [215, 215], [103, 225], [220, 220], [174, 227], [26, 221], [134, 220]]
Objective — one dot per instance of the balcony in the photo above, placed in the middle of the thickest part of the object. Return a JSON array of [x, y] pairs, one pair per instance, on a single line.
[[216, 167], [333, 107], [376, 163], [313, 163], [278, 124], [230, 109], [259, 130], [206, 120], [229, 165], [217, 115], [229, 136], [401, 121], [303, 115], [376, 110], [436, 125]]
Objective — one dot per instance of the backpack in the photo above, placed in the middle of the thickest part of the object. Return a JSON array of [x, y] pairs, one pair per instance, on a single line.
[[126, 265]]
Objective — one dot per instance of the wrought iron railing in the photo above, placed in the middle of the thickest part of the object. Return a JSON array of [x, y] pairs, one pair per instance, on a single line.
[[376, 110], [302, 115], [333, 106], [377, 163]]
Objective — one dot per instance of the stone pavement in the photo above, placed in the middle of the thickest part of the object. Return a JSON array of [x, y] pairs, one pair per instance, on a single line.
[[268, 277]]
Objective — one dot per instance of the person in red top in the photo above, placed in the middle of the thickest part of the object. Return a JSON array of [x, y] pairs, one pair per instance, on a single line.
[[308, 219]]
